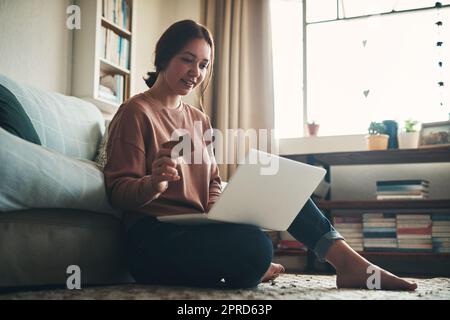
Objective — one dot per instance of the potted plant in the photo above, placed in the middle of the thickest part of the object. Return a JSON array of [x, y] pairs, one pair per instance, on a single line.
[[408, 138], [313, 128], [377, 139]]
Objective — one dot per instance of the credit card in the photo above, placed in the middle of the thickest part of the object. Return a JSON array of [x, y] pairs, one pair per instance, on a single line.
[[172, 143]]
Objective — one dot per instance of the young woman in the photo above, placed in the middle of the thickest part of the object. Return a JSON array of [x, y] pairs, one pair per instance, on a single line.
[[144, 182]]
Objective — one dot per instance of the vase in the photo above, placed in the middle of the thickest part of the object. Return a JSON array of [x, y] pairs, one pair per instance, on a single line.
[[313, 130], [408, 140], [391, 130]]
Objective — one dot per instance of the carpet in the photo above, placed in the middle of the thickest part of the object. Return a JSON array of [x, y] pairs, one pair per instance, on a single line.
[[287, 286]]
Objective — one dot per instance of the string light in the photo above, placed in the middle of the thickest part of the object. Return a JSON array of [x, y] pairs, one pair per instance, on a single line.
[[439, 45]]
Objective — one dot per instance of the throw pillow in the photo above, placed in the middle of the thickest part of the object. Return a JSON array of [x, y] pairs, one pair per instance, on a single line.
[[14, 119], [69, 125], [38, 177]]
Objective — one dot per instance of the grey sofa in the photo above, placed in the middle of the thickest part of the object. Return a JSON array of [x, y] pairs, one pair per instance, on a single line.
[[53, 208]]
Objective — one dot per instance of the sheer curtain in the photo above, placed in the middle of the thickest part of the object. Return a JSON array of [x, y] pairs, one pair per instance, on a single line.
[[240, 95]]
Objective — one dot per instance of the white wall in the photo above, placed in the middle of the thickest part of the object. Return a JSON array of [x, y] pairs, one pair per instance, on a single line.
[[153, 17], [36, 46]]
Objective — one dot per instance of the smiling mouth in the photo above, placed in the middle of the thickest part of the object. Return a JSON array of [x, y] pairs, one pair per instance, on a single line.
[[188, 83]]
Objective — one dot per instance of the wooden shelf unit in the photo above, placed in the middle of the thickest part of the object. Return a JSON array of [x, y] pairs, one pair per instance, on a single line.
[[390, 156], [384, 204], [407, 263], [90, 47]]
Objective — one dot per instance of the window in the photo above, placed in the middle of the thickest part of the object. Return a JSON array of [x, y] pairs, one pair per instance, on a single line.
[[372, 68], [287, 42]]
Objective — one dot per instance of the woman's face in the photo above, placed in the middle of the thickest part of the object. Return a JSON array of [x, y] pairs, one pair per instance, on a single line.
[[188, 68]]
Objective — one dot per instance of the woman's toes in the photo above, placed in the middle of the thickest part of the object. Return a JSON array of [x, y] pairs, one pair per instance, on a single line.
[[278, 268]]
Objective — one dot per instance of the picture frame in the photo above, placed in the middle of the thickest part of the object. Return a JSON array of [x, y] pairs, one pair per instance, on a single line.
[[434, 134]]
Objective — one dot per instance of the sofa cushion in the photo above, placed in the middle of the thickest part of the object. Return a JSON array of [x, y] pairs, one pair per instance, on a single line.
[[14, 119], [66, 124], [37, 177], [37, 246]]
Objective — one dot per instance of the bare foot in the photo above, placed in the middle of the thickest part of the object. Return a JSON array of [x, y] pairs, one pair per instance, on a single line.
[[354, 271], [273, 272]]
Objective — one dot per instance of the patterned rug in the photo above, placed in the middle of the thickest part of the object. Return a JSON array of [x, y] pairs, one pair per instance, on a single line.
[[287, 286]]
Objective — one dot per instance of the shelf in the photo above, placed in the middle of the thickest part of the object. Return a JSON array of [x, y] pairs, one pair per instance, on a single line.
[[120, 31], [403, 262], [411, 263], [415, 255], [90, 48], [287, 252], [385, 204], [112, 68], [390, 156]]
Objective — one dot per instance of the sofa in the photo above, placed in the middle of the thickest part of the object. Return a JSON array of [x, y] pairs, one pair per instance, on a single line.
[[54, 211]]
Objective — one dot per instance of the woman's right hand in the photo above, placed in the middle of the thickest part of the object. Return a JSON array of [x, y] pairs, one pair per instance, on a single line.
[[164, 170]]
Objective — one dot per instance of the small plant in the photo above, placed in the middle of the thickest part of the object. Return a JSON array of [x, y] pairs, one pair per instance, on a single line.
[[409, 125], [377, 128], [313, 128]]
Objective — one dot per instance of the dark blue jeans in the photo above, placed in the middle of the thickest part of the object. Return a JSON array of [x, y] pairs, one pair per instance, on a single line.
[[216, 255]]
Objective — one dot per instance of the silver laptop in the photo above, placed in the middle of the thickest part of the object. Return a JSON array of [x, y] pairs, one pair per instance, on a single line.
[[267, 191]]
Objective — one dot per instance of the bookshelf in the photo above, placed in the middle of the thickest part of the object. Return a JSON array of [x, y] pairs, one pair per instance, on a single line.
[[404, 263], [104, 49]]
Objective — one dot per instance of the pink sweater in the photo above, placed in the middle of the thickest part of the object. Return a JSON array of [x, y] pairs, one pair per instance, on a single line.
[[136, 134]]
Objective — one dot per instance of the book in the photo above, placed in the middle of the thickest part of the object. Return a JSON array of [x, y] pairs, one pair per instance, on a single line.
[[400, 197], [413, 217], [291, 244], [403, 182]]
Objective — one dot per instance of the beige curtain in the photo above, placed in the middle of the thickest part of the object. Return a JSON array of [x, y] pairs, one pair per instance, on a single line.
[[240, 95]]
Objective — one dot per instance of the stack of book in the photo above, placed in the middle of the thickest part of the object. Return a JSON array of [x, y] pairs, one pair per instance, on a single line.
[[402, 189], [111, 88], [379, 231], [114, 48], [351, 228], [441, 233], [291, 245], [414, 232], [117, 12]]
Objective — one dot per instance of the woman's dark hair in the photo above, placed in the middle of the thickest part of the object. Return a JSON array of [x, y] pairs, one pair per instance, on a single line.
[[173, 40]]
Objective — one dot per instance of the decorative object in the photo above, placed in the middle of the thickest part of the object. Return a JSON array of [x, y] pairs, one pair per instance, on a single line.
[[435, 134], [14, 119], [377, 139], [409, 137], [313, 129], [391, 129], [439, 44]]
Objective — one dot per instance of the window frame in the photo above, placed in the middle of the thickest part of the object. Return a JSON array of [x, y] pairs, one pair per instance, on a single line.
[[305, 25]]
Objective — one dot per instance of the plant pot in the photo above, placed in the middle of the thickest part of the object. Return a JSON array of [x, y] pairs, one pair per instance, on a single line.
[[408, 140], [377, 141], [313, 129]]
